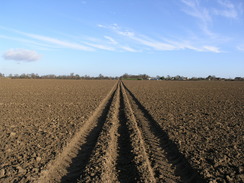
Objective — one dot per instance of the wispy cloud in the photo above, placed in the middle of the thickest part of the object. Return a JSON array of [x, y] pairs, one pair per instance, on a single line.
[[228, 9], [196, 10], [28, 42], [66, 44], [159, 45], [100, 46], [87, 44], [50, 40], [240, 47], [111, 40], [204, 13], [140, 39], [129, 49], [21, 55], [211, 49], [137, 42]]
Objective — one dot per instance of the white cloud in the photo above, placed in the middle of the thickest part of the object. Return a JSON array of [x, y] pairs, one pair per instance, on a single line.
[[166, 45], [229, 10], [29, 42], [51, 40], [141, 39], [126, 33], [142, 42], [240, 47], [126, 48], [101, 26], [205, 13], [211, 49], [111, 40], [194, 9], [100, 46], [21, 55], [154, 44], [192, 45], [59, 42]]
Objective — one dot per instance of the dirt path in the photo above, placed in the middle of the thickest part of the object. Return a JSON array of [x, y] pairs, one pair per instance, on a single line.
[[121, 142]]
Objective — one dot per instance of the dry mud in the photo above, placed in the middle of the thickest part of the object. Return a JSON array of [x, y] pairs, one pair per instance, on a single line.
[[113, 131]]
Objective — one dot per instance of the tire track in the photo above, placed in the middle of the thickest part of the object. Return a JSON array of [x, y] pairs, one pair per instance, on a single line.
[[120, 142], [125, 166], [108, 148], [101, 166], [163, 152], [122, 158], [69, 163], [140, 158]]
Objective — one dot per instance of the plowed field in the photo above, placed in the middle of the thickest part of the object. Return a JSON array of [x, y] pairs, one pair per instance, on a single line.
[[113, 131], [205, 119]]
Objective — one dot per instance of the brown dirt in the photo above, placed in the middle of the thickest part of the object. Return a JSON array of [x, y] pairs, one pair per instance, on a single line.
[[131, 131], [118, 145], [204, 120], [38, 117]]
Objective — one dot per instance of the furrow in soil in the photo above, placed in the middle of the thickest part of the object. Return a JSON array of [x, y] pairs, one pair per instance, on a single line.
[[68, 165], [133, 163], [101, 166], [121, 142], [168, 164]]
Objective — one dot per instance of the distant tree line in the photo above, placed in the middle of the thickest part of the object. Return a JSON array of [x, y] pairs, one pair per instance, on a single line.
[[123, 77], [135, 77], [176, 78], [53, 76]]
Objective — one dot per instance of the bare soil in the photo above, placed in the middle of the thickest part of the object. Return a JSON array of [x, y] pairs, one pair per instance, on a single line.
[[204, 119], [113, 131], [38, 117]]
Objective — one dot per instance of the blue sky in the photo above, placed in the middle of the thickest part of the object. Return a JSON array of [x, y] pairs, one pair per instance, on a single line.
[[155, 37]]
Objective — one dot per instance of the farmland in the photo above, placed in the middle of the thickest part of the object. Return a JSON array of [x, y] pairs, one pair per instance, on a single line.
[[113, 131]]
